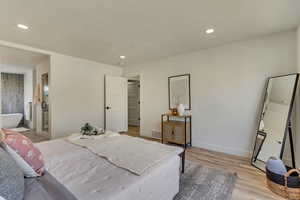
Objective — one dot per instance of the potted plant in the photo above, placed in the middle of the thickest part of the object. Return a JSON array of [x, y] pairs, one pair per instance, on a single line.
[[87, 129]]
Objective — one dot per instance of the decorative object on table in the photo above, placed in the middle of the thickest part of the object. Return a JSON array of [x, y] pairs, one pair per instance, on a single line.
[[174, 111], [179, 91], [196, 183], [275, 123], [180, 109], [287, 185], [176, 130]]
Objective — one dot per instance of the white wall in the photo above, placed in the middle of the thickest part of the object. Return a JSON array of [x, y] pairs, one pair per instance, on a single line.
[[77, 90], [77, 93], [28, 96], [227, 86], [28, 86]]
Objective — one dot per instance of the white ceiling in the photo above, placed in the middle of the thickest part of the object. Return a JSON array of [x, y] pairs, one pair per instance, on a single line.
[[20, 58], [143, 30]]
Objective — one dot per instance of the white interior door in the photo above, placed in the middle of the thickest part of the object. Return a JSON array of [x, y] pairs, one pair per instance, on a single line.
[[116, 104]]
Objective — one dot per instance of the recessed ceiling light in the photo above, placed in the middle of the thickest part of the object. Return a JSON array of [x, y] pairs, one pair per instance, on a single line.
[[209, 31], [22, 26], [122, 57]]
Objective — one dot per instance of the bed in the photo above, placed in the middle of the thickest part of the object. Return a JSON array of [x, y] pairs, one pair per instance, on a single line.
[[89, 176]]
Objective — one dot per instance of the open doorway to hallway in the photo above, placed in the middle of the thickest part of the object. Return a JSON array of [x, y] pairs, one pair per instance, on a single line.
[[24, 92], [134, 106]]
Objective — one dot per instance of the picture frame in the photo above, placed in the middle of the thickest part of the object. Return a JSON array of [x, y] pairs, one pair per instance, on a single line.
[[179, 88]]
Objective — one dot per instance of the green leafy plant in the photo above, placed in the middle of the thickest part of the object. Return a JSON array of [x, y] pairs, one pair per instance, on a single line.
[[87, 129]]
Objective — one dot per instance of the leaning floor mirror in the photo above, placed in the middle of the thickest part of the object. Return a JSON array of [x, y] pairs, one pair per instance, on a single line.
[[274, 136]]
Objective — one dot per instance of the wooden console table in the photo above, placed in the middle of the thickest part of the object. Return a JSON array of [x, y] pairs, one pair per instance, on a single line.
[[176, 131]]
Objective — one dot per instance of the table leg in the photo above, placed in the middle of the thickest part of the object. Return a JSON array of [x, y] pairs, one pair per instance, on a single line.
[[162, 129], [182, 161], [191, 131], [184, 132]]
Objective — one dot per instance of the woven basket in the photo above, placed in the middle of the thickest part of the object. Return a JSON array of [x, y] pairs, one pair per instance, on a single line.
[[286, 186]]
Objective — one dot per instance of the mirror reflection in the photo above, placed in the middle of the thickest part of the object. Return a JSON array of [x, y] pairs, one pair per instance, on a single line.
[[274, 120]]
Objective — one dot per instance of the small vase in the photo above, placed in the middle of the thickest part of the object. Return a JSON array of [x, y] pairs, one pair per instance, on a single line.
[[180, 109]]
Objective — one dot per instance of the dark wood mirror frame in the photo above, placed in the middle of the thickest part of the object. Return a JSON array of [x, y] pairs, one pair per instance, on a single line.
[[288, 129], [189, 85]]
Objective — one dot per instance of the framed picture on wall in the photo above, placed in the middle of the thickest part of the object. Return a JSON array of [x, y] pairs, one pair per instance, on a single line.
[[179, 91]]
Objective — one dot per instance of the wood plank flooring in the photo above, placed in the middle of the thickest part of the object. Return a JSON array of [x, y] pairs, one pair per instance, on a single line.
[[250, 183], [34, 136]]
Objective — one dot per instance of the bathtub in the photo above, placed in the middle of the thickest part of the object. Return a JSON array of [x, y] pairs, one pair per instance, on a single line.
[[10, 120]]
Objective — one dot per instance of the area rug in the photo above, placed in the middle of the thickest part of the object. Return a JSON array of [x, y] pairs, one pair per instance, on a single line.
[[202, 183]]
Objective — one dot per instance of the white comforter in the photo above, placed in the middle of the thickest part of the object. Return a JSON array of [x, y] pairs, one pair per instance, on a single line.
[[134, 154], [90, 177]]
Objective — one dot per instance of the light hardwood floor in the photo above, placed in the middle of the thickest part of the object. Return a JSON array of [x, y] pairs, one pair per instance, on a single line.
[[250, 184], [34, 136], [133, 131]]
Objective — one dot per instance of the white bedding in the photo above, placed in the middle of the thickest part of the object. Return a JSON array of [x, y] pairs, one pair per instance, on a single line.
[[90, 177], [134, 154]]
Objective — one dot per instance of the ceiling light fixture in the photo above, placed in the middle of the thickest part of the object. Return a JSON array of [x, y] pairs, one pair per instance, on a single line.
[[22, 26], [209, 31], [122, 57]]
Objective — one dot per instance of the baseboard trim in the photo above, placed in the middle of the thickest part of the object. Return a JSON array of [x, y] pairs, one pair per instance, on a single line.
[[217, 148], [227, 150]]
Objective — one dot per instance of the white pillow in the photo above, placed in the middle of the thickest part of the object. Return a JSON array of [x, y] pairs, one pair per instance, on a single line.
[[25, 167]]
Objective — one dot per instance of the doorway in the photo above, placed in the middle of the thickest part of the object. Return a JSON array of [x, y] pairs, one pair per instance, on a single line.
[[21, 93], [116, 104], [134, 106], [45, 102]]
